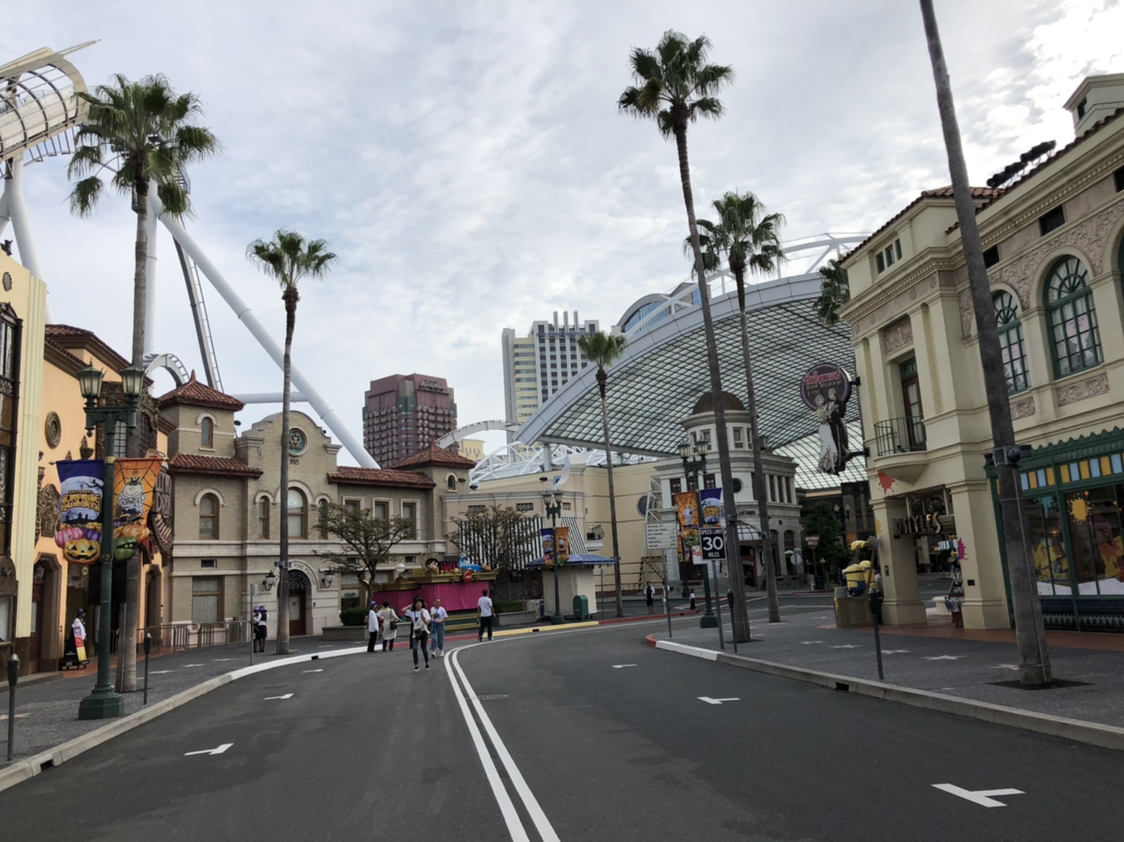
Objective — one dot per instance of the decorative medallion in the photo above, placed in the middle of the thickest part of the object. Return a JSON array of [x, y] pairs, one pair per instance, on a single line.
[[897, 335], [1083, 389], [298, 441], [52, 428], [7, 282], [1022, 408], [1079, 509]]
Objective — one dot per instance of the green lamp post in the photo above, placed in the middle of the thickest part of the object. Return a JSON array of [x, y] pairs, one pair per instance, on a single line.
[[552, 505], [104, 702], [692, 468]]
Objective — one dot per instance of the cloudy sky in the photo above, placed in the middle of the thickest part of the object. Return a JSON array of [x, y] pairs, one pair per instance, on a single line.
[[467, 162]]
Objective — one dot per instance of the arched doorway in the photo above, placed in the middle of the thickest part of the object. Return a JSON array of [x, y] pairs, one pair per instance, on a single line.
[[299, 589], [153, 607]]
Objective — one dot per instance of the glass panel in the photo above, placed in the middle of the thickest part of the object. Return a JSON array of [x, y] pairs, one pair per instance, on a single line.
[[205, 608], [296, 514], [1095, 536], [1048, 546]]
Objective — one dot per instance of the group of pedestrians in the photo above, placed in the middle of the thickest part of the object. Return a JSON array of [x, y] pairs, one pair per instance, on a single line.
[[426, 627]]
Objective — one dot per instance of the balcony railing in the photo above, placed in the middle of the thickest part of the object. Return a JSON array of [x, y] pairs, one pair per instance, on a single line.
[[899, 435]]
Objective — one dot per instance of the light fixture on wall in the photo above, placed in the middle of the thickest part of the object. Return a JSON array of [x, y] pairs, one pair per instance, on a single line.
[[327, 577], [270, 580]]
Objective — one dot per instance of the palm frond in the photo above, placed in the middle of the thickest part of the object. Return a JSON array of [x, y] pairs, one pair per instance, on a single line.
[[85, 196]]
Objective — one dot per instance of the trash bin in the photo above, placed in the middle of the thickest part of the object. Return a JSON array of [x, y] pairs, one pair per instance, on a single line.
[[581, 607]]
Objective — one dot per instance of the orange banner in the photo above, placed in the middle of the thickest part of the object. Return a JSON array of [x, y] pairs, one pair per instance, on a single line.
[[134, 485]]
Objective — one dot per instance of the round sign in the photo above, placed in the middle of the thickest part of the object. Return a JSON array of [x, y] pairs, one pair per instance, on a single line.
[[823, 384]]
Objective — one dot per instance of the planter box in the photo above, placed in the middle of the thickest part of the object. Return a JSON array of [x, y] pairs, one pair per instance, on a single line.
[[345, 632]]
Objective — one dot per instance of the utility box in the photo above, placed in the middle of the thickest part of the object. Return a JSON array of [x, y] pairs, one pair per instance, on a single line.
[[852, 612], [581, 607]]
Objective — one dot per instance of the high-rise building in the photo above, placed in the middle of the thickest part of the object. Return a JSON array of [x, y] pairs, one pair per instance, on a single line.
[[405, 413], [539, 364]]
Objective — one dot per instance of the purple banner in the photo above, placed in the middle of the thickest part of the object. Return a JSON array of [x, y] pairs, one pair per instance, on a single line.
[[80, 500]]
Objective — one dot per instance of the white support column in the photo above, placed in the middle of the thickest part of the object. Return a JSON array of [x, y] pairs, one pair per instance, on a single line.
[[247, 317], [17, 213], [150, 274]]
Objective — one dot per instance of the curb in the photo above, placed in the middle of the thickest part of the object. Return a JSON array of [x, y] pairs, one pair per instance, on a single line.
[[1091, 733], [32, 766]]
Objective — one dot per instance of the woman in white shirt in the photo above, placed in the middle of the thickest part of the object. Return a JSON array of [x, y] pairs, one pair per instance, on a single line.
[[389, 626], [440, 615], [372, 625], [419, 629]]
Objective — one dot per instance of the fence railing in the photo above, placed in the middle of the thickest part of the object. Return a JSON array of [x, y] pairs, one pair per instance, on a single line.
[[899, 435]]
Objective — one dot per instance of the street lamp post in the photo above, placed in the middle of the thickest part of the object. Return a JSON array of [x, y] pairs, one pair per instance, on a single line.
[[552, 505], [104, 702], [691, 469]]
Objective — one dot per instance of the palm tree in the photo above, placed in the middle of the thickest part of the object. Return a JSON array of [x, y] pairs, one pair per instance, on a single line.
[[835, 291], [288, 258], [602, 349], [1030, 632], [675, 86], [149, 134], [750, 239]]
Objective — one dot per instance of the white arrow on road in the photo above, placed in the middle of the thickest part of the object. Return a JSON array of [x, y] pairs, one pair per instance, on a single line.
[[711, 701], [271, 698], [218, 750], [622, 666], [895, 651], [944, 657], [810, 642], [846, 646], [320, 670], [1006, 667], [983, 797]]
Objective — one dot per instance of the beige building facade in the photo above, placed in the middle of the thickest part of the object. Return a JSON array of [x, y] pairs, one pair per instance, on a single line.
[[1053, 247]]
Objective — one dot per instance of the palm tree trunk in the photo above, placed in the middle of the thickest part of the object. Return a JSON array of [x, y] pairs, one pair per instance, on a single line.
[[758, 468], [290, 297], [612, 495], [1030, 634], [127, 650], [729, 508]]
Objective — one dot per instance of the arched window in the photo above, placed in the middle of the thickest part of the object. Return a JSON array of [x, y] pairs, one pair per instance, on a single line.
[[208, 517], [1074, 338], [207, 433], [322, 518], [451, 482], [1011, 341], [297, 514], [263, 517]]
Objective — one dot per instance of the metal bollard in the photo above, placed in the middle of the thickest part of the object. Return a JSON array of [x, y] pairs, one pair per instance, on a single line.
[[13, 677], [147, 650]]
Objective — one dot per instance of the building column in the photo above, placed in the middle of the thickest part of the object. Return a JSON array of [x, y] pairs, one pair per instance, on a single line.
[[903, 605], [985, 595]]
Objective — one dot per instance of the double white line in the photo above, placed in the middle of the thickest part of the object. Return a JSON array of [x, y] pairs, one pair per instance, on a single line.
[[507, 807]]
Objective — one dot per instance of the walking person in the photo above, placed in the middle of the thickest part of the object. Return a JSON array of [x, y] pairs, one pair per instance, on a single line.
[[372, 625], [694, 605], [484, 610], [389, 626], [650, 598], [261, 627], [420, 620], [439, 615]]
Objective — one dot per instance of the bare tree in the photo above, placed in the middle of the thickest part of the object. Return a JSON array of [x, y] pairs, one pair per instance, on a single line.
[[367, 540]]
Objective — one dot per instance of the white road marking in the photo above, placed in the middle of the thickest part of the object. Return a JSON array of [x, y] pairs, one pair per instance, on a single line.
[[983, 797], [810, 642], [160, 672], [846, 646], [4, 716], [312, 670], [218, 750], [220, 660], [622, 666], [194, 665], [1005, 667], [895, 651], [711, 701], [944, 657], [530, 803], [271, 698]]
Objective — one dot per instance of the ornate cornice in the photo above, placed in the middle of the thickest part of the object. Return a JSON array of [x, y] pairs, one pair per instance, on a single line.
[[1090, 387]]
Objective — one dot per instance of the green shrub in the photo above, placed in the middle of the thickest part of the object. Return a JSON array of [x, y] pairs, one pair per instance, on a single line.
[[353, 616], [509, 607]]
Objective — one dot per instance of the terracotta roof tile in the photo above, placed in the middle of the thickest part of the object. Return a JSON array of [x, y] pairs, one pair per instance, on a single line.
[[434, 455], [195, 393], [349, 475], [70, 338], [192, 463]]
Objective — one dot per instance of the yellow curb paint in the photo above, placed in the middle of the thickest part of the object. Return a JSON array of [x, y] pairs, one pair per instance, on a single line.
[[547, 628]]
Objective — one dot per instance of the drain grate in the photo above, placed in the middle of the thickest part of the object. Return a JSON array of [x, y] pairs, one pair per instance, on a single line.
[[492, 697]]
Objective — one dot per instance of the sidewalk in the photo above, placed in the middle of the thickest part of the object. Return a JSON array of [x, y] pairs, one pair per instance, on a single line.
[[938, 658]]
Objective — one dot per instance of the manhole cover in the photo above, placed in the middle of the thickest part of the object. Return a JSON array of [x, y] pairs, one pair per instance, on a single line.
[[491, 698]]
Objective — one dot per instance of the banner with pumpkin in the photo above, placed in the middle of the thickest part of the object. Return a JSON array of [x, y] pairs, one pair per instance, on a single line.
[[81, 482]]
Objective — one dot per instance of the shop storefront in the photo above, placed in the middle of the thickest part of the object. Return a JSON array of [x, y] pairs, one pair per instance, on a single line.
[[1073, 493]]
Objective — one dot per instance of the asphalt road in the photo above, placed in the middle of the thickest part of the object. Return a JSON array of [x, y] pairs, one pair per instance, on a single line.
[[585, 734]]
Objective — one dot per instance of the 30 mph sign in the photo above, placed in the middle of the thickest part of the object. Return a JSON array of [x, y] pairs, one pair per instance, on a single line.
[[713, 542]]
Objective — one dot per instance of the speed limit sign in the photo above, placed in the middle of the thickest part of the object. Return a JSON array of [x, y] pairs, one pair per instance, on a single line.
[[713, 542]]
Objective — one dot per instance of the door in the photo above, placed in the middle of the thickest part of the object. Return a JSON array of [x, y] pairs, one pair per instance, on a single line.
[[299, 588], [35, 645], [911, 400]]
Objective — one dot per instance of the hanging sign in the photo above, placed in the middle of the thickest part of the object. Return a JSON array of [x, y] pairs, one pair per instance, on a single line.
[[134, 488], [825, 389], [710, 501], [80, 499]]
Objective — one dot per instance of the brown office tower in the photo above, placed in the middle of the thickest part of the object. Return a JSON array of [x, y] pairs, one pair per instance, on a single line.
[[403, 414]]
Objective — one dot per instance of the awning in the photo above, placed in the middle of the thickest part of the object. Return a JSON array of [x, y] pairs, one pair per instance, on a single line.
[[578, 560]]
